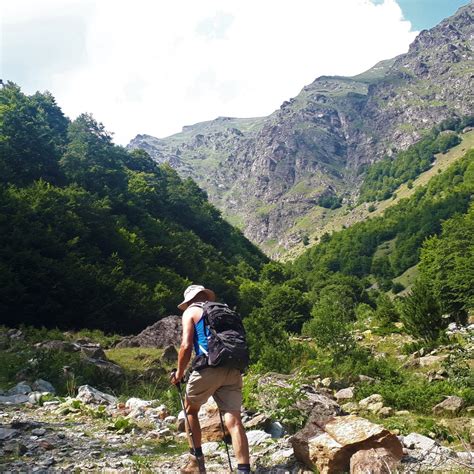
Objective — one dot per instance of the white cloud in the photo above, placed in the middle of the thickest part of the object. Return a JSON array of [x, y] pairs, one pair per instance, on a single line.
[[152, 66]]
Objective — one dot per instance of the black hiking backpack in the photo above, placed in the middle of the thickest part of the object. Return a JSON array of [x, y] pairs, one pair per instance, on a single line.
[[227, 344]]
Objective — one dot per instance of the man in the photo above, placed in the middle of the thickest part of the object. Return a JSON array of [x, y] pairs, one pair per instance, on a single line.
[[223, 383]]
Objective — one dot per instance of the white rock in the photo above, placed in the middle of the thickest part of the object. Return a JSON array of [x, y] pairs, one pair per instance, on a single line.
[[209, 449], [91, 395], [326, 382], [257, 437], [418, 441], [345, 394], [170, 420], [134, 403]]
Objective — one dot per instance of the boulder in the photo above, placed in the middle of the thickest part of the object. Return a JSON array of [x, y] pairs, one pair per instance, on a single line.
[[257, 437], [93, 351], [41, 385], [372, 403], [418, 441], [108, 368], [350, 407], [165, 332], [210, 422], [385, 412], [329, 445], [13, 399], [21, 388], [170, 355], [429, 360], [450, 405], [91, 395], [345, 394], [374, 460]]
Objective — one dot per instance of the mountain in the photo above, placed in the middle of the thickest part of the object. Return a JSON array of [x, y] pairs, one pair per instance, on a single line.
[[267, 173]]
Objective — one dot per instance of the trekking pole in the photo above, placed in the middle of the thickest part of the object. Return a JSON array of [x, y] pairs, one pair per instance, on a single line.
[[225, 440], [190, 431]]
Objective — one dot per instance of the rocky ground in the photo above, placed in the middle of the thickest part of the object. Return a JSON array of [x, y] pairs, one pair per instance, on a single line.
[[95, 432]]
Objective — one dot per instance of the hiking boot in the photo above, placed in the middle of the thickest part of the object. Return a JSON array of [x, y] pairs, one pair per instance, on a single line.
[[195, 465]]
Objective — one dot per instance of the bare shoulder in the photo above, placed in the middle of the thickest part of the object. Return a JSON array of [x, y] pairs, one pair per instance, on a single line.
[[193, 313]]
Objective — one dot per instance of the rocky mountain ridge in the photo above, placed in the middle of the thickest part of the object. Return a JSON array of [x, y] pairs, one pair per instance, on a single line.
[[266, 173]]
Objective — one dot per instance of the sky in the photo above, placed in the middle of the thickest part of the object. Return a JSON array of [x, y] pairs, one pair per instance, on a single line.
[[153, 66]]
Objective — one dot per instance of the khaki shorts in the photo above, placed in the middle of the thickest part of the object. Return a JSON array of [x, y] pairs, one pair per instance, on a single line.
[[222, 383]]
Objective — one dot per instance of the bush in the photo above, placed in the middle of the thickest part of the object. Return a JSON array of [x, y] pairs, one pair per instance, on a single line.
[[421, 314]]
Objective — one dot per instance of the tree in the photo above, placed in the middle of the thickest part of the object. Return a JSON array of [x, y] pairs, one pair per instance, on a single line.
[[421, 313]]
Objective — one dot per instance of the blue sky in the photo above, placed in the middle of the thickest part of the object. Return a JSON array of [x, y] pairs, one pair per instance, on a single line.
[[424, 14]]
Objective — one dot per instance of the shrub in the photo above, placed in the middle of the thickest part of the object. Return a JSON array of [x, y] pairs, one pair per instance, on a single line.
[[421, 313]]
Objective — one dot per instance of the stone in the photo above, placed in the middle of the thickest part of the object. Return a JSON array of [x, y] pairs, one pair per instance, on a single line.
[[135, 403], [21, 388], [326, 382], [366, 379], [374, 460], [91, 395], [41, 385], [107, 367], [165, 332], [170, 420], [350, 407], [329, 445], [170, 355], [211, 428], [209, 449], [345, 394], [258, 421], [372, 403], [450, 405], [276, 430], [402, 413], [418, 441], [38, 431], [429, 360], [8, 433], [94, 351], [13, 399], [257, 437], [385, 412]]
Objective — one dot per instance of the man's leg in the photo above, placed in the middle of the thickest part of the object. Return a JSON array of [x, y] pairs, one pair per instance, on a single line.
[[233, 421], [196, 460], [192, 411]]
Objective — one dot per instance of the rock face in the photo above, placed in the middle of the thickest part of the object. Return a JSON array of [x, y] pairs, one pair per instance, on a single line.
[[329, 446], [266, 173], [165, 332]]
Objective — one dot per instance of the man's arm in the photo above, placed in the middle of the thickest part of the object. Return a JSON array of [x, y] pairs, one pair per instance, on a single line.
[[186, 348]]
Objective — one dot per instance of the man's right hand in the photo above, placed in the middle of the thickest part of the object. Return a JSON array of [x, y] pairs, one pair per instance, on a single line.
[[176, 378]]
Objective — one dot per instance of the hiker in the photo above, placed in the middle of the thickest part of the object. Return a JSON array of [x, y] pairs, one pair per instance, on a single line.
[[222, 382]]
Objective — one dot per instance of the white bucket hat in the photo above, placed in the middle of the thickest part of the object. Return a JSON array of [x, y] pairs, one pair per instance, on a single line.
[[191, 291]]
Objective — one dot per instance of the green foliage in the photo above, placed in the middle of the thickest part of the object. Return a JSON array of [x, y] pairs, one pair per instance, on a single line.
[[122, 425], [411, 392], [421, 313], [383, 177], [330, 326], [386, 311], [329, 201], [94, 236], [447, 263]]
